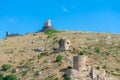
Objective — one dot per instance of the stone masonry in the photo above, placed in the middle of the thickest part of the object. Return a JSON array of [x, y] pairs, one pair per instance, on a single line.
[[64, 44], [82, 71], [47, 26]]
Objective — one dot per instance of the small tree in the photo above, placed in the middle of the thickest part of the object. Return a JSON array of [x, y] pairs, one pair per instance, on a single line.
[[10, 77], [66, 77], [5, 67], [1, 77], [59, 58]]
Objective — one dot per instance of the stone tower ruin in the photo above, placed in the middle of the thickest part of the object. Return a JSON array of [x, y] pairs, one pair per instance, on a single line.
[[79, 63], [82, 71], [48, 23], [47, 26], [64, 44]]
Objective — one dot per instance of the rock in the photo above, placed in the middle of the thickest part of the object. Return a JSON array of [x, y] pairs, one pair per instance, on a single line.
[[39, 49], [37, 73], [33, 42], [47, 61], [108, 40], [56, 49]]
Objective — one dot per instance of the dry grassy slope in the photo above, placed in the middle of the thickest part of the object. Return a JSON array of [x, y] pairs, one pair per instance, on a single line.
[[19, 51]]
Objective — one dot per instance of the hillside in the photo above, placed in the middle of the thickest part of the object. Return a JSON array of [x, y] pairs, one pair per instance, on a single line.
[[33, 56]]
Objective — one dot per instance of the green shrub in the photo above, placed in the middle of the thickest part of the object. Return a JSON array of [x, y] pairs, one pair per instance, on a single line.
[[104, 67], [24, 72], [5, 67], [1, 78], [9, 51], [69, 67], [56, 79], [50, 32], [22, 51], [44, 53], [81, 53], [97, 50], [66, 77], [10, 77], [47, 78], [97, 67], [59, 58]]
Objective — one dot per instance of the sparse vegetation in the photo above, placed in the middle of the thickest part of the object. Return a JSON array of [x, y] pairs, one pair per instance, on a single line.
[[43, 54], [69, 67], [66, 77], [23, 73], [22, 51], [97, 67], [97, 50], [5, 67], [19, 53], [9, 52], [50, 32], [81, 53], [59, 58], [105, 67], [10, 77]]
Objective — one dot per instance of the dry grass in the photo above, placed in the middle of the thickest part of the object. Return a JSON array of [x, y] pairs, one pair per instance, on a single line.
[[19, 51]]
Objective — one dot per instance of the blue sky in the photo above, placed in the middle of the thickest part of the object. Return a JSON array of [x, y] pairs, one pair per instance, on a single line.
[[21, 16]]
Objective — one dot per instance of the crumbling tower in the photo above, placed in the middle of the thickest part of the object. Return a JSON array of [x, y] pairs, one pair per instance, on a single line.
[[7, 34], [79, 63], [48, 23], [47, 26], [64, 44]]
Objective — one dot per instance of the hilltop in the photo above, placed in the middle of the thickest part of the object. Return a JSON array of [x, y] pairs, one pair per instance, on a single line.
[[33, 56]]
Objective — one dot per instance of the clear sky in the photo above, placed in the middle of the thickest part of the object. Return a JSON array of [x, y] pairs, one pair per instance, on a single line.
[[21, 16]]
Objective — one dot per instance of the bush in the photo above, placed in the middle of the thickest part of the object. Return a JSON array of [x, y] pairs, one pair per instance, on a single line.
[[44, 53], [59, 58], [66, 77], [10, 77], [97, 50], [69, 67], [24, 73], [104, 67], [47, 78], [97, 67], [5, 67], [50, 32], [81, 53], [1, 77]]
